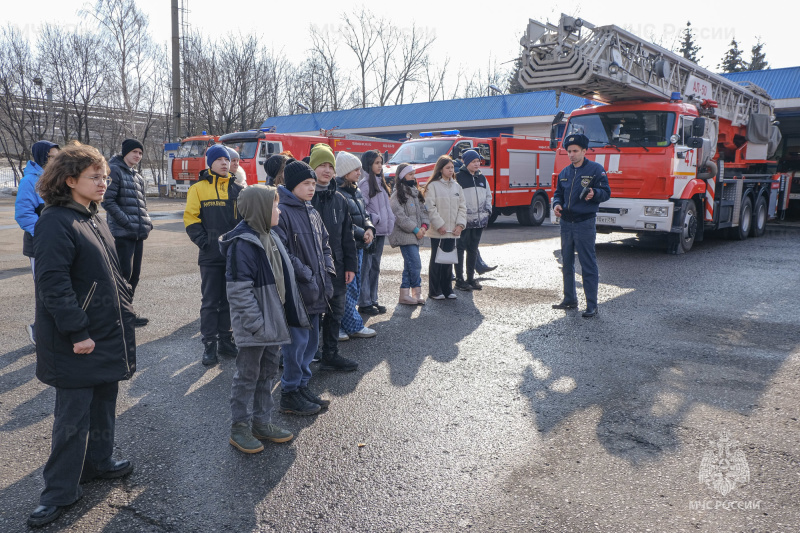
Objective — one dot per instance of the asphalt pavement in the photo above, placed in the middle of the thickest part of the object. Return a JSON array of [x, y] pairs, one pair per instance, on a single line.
[[675, 410]]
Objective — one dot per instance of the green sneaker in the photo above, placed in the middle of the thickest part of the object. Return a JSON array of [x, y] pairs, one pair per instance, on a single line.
[[271, 432], [242, 438]]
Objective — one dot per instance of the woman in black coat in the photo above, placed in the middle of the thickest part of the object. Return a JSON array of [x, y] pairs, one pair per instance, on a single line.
[[85, 316]]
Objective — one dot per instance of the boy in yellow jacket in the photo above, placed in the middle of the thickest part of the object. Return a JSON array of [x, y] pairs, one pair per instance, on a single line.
[[210, 212]]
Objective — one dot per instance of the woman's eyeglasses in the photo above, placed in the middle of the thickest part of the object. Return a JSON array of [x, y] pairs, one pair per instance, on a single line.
[[100, 179]]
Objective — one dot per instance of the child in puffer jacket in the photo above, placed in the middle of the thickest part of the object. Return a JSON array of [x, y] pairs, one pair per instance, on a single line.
[[410, 225], [265, 302]]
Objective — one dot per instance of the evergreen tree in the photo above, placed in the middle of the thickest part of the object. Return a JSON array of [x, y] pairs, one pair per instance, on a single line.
[[733, 62], [514, 86], [758, 59], [688, 48]]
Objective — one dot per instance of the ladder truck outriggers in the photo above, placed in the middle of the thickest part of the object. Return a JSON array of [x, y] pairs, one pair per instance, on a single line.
[[686, 150]]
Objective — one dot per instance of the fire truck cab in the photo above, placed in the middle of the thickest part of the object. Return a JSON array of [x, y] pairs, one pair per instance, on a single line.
[[518, 169], [190, 161]]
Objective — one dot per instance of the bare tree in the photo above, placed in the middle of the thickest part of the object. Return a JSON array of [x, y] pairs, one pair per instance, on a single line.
[[124, 30], [232, 84], [361, 34], [73, 61], [25, 110], [416, 44], [477, 84], [335, 80], [435, 77]]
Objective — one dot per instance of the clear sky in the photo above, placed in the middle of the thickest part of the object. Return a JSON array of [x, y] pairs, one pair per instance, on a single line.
[[468, 32]]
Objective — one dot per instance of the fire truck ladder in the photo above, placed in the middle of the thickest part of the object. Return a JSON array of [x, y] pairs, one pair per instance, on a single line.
[[609, 64]]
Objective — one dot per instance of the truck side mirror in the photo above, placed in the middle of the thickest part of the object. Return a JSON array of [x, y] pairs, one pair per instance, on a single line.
[[699, 127], [695, 142], [553, 136]]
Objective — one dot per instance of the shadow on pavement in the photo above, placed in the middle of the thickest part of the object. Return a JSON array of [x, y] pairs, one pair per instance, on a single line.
[[177, 413], [432, 331], [625, 361]]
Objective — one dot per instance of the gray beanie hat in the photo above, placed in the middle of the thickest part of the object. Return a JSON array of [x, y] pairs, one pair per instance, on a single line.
[[346, 163]]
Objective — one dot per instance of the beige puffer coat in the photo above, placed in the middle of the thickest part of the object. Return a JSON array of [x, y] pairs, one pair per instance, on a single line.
[[446, 208]]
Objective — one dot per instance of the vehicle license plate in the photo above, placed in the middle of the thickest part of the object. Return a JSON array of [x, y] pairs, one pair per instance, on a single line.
[[606, 220]]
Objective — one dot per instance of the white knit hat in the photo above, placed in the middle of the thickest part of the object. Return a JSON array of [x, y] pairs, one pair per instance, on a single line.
[[346, 163]]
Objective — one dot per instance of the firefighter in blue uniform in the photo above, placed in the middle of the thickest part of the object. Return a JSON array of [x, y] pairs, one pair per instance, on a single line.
[[582, 187]]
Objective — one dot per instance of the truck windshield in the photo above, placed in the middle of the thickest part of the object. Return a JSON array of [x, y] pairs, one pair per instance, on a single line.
[[628, 128], [421, 151], [246, 149], [192, 149]]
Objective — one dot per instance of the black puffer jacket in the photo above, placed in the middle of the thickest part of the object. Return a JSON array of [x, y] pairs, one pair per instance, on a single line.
[[80, 294], [305, 238], [125, 202], [358, 212], [332, 207]]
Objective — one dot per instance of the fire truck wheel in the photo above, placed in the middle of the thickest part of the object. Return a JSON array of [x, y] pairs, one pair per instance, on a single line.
[[680, 243], [760, 217], [493, 217], [534, 214], [745, 220]]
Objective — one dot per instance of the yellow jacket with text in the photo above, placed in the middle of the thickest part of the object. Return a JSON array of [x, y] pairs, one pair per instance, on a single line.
[[210, 212]]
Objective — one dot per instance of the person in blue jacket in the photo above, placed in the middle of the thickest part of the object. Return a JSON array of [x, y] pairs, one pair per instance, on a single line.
[[581, 188], [28, 205]]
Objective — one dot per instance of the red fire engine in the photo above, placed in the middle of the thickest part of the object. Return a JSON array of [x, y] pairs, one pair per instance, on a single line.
[[190, 160], [519, 169], [256, 146], [686, 150]]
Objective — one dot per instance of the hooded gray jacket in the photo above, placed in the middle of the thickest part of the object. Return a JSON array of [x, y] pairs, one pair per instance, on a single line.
[[258, 317]]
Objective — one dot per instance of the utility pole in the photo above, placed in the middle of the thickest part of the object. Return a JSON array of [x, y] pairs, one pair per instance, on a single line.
[[176, 72]]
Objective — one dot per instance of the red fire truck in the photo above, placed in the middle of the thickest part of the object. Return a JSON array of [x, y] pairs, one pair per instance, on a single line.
[[519, 169], [686, 150], [256, 146], [190, 160]]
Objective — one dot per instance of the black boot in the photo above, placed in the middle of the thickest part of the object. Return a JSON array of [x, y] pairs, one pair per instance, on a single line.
[[336, 363], [481, 267], [313, 398], [210, 353], [228, 347], [294, 403]]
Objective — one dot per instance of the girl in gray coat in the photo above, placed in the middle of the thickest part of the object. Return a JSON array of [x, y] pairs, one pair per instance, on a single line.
[[376, 200], [410, 225]]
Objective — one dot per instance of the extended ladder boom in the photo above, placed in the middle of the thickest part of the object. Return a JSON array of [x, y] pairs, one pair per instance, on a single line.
[[609, 64]]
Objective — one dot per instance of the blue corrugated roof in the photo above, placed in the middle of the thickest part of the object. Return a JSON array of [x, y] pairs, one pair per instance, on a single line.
[[541, 103], [780, 83]]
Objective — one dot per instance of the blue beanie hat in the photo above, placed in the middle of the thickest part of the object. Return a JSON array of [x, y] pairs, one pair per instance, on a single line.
[[215, 152], [469, 156]]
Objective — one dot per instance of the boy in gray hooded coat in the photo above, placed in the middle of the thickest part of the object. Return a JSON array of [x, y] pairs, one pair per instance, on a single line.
[[265, 302]]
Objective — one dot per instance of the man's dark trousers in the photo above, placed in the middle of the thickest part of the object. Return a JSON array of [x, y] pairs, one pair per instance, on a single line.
[[215, 313], [580, 237], [468, 242], [130, 258], [83, 439]]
